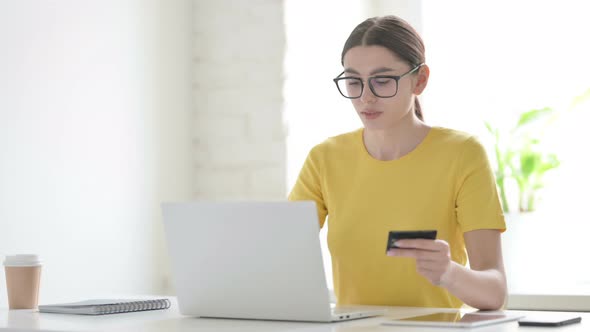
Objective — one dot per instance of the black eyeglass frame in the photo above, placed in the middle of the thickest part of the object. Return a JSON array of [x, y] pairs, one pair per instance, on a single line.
[[370, 81]]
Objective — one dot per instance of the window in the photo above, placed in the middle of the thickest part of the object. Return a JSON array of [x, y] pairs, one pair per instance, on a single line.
[[492, 60]]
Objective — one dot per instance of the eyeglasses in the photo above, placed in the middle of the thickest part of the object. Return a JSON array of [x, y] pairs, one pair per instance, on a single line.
[[382, 86]]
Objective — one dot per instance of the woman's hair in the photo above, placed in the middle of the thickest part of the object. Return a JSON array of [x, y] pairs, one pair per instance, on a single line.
[[396, 35]]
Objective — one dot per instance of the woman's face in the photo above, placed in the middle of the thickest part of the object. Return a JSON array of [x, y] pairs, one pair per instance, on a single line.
[[375, 112]]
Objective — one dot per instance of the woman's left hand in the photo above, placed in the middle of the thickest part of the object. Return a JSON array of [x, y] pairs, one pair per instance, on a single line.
[[433, 258]]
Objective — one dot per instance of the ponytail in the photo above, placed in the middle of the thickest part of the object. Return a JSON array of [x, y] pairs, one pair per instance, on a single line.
[[418, 109]]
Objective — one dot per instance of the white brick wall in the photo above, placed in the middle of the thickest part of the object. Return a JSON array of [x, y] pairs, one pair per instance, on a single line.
[[239, 137]]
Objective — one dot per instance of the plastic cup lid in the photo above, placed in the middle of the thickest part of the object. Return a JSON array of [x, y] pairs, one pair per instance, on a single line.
[[22, 260]]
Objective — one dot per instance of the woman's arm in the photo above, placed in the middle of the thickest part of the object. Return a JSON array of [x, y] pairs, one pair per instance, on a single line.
[[483, 286]]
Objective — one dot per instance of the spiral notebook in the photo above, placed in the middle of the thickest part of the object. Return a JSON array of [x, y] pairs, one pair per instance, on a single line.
[[104, 307]]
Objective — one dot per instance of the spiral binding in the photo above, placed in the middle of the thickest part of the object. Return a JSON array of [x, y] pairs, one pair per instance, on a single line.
[[121, 307]]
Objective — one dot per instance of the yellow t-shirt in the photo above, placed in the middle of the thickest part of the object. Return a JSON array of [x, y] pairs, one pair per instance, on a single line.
[[445, 183]]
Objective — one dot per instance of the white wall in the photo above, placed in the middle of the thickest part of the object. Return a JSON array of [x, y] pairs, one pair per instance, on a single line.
[[94, 133], [238, 137]]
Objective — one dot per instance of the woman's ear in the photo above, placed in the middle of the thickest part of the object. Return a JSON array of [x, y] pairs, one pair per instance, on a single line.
[[421, 79]]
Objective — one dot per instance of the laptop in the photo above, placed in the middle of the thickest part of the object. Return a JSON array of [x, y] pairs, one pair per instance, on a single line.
[[251, 260]]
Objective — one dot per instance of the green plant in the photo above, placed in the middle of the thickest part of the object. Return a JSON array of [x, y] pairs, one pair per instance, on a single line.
[[520, 156]]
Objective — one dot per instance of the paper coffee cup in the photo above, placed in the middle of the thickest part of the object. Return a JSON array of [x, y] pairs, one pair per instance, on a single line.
[[23, 276]]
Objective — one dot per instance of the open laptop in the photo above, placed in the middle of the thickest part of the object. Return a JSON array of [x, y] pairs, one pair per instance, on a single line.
[[250, 260]]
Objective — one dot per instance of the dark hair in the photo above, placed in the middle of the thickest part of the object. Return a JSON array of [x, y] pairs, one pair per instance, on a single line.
[[394, 34]]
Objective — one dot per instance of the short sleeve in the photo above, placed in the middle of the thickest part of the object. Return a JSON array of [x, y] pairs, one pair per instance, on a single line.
[[308, 185], [477, 202]]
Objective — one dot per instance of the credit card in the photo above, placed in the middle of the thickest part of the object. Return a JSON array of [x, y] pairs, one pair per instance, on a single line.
[[399, 235]]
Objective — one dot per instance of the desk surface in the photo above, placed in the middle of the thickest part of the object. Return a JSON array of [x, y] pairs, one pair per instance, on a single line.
[[171, 320]]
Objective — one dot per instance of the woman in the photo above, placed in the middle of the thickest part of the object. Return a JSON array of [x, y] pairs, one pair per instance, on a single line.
[[398, 173]]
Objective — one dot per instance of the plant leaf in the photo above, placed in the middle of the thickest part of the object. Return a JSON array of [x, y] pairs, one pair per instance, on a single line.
[[584, 97], [533, 115], [550, 163], [529, 163], [495, 132]]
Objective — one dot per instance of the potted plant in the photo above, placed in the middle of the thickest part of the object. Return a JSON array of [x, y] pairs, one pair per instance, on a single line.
[[521, 164], [522, 161], [519, 155]]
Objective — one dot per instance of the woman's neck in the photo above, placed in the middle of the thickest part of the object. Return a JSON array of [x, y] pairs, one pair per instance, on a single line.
[[395, 142]]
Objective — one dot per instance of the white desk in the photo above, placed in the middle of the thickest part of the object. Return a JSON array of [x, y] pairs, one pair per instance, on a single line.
[[171, 320]]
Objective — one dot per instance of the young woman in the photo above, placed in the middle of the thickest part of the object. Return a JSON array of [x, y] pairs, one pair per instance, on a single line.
[[398, 173]]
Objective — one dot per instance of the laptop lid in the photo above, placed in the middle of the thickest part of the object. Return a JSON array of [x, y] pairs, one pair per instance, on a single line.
[[252, 260]]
